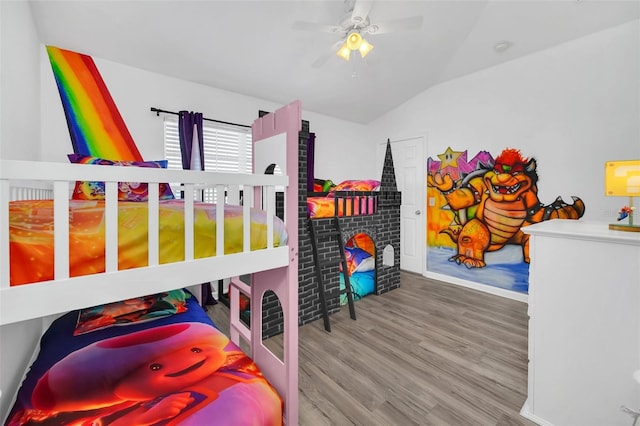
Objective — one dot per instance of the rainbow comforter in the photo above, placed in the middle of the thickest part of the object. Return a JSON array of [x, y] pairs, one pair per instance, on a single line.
[[177, 369], [31, 235]]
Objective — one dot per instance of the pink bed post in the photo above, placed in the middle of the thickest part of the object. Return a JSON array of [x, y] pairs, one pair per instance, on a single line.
[[282, 281]]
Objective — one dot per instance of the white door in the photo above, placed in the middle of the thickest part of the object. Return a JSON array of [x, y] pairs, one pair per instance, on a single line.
[[409, 165]]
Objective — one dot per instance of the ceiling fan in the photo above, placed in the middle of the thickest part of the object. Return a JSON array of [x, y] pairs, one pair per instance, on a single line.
[[352, 28]]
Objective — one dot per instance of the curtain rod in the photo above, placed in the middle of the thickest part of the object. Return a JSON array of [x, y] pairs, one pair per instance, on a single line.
[[158, 111]]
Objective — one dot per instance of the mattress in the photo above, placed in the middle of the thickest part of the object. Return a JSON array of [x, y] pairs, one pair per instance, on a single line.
[[31, 235], [176, 369]]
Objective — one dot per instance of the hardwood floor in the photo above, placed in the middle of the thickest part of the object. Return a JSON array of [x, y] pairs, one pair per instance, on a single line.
[[427, 353]]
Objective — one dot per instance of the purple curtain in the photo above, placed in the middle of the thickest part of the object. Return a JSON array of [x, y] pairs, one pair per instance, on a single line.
[[187, 120], [311, 143]]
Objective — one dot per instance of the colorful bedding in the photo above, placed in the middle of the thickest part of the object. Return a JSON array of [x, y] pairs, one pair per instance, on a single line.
[[362, 284], [349, 204], [173, 370], [31, 235], [362, 265]]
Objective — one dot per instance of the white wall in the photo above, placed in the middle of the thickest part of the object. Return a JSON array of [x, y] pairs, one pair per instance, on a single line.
[[135, 91], [572, 107], [19, 140], [19, 84]]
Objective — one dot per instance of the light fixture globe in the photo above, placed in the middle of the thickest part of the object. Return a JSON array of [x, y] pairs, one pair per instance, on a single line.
[[354, 40]]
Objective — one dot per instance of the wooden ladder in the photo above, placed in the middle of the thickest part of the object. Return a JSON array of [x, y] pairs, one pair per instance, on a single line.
[[330, 233]]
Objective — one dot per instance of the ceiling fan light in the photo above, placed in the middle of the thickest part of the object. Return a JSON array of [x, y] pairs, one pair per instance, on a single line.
[[365, 48], [354, 40], [344, 52]]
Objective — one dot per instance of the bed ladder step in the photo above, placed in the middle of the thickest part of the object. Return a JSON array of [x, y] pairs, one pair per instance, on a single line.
[[333, 233]]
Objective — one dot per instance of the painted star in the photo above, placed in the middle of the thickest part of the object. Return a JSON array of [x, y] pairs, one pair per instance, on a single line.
[[449, 158]]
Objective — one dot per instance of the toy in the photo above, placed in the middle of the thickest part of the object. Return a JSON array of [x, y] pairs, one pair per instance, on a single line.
[[625, 212]]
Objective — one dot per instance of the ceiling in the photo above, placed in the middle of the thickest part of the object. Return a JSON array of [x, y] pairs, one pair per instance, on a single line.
[[250, 47]]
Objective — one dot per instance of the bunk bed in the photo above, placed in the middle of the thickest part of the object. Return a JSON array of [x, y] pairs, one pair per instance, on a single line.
[[51, 305]]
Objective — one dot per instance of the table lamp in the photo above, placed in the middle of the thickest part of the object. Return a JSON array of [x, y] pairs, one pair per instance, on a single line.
[[622, 179]]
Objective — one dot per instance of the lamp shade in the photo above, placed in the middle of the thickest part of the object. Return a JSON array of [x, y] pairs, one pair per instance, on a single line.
[[354, 40], [344, 52], [365, 48], [622, 178]]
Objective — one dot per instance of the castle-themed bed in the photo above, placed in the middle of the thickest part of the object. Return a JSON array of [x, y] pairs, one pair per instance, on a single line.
[[115, 291], [352, 197], [369, 216]]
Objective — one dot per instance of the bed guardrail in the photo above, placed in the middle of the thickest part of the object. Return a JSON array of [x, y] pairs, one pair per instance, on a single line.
[[363, 202], [42, 180], [351, 203]]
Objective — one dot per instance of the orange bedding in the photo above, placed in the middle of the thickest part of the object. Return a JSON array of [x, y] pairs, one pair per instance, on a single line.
[[31, 235]]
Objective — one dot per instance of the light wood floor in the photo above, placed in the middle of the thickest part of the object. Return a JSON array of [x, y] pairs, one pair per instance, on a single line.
[[427, 353]]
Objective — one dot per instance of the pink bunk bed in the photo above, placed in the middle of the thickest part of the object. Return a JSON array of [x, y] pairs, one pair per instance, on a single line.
[[128, 343]]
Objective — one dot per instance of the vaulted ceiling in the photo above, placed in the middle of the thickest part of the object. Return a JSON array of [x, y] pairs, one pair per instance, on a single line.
[[251, 47]]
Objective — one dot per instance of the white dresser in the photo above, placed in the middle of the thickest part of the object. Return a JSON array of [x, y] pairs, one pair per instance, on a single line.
[[584, 326]]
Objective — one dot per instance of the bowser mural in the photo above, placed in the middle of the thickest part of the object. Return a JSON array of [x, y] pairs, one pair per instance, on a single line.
[[476, 210]]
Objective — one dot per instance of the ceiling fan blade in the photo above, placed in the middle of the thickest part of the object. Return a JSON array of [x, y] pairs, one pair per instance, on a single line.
[[327, 55], [312, 26], [318, 63], [361, 9], [404, 24]]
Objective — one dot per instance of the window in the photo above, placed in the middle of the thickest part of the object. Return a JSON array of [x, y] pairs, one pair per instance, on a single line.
[[227, 149]]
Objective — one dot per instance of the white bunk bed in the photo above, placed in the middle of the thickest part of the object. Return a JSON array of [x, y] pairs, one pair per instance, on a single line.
[[27, 310]]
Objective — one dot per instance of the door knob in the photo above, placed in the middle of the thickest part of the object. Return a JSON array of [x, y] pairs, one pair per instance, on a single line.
[[418, 212]]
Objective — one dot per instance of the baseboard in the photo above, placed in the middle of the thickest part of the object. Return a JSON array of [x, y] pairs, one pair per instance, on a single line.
[[527, 414], [513, 295]]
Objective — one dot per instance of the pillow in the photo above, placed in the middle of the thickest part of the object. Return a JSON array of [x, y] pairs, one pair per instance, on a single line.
[[322, 185], [357, 185], [131, 311], [127, 191], [366, 265], [359, 260]]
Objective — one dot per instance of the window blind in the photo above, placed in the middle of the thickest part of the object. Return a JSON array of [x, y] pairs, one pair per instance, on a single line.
[[227, 149]]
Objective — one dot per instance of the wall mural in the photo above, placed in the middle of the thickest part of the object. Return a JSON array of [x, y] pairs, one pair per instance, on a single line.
[[476, 209]]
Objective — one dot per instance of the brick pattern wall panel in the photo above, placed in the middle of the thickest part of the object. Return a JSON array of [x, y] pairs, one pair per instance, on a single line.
[[383, 228]]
